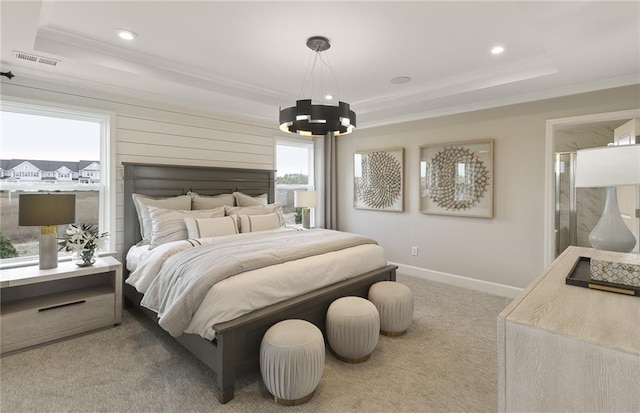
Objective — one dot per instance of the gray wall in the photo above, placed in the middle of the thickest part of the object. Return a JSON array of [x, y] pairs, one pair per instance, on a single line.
[[507, 249]]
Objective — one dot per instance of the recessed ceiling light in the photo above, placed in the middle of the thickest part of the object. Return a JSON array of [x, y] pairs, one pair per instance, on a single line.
[[328, 97], [126, 34], [400, 80], [497, 50]]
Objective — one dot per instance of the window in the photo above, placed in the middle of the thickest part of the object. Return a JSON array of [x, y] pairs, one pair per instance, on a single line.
[[46, 149], [295, 166]]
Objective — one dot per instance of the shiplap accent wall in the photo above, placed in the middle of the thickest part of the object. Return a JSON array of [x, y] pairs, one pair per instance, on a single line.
[[160, 134]]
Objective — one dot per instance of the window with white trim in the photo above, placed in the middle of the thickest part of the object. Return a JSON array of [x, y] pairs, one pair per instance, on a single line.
[[46, 149], [294, 172]]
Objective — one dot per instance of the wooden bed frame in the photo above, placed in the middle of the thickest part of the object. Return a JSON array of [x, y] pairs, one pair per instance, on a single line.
[[236, 348]]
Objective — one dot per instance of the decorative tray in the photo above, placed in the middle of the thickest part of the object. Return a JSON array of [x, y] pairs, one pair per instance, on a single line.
[[580, 275]]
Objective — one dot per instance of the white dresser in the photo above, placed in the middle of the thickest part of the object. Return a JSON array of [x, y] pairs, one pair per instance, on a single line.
[[563, 348], [42, 305]]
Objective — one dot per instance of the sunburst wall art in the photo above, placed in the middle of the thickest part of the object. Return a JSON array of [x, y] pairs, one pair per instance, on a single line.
[[457, 179], [378, 179]]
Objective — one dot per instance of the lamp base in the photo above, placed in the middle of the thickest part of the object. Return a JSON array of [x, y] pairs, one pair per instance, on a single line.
[[611, 233], [48, 247], [306, 218]]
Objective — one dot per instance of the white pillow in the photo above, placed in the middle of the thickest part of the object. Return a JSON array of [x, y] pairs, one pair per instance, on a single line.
[[142, 203], [253, 210], [256, 223], [211, 227], [168, 224], [208, 202], [248, 200]]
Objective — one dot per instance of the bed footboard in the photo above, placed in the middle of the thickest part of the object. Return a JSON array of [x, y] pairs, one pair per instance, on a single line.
[[236, 348]]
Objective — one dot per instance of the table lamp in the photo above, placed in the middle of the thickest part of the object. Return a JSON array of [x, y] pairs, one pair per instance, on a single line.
[[609, 167], [305, 200], [47, 211]]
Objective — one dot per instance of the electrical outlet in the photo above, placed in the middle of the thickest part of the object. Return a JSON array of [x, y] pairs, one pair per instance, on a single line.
[[414, 251]]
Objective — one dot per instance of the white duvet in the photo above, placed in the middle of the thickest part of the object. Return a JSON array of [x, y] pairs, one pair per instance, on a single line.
[[252, 290]]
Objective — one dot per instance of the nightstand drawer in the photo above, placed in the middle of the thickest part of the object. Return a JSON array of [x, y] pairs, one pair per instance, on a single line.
[[36, 321]]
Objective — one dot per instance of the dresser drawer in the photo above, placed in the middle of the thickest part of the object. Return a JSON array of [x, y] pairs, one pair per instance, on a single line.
[[36, 321]]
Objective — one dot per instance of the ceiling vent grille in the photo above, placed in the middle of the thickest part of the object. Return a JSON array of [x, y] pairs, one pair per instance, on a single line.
[[36, 59]]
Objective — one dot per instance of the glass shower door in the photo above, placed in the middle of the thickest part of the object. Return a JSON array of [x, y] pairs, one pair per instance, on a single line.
[[577, 210], [565, 213]]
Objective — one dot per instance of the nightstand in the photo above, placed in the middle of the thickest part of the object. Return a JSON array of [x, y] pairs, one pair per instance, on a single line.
[[37, 306]]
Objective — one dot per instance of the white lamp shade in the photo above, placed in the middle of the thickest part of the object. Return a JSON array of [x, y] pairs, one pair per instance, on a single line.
[[608, 166], [305, 199]]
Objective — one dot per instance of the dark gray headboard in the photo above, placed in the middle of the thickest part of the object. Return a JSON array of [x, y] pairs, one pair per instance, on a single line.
[[174, 180]]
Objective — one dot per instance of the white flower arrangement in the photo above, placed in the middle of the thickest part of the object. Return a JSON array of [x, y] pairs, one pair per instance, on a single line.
[[82, 239]]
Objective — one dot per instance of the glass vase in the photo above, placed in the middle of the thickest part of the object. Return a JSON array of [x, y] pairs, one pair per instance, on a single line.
[[84, 258]]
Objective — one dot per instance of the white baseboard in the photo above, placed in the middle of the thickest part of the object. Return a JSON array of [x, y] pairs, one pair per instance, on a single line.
[[459, 281]]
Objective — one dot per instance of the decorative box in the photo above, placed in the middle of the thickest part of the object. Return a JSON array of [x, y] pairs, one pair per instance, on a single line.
[[617, 268]]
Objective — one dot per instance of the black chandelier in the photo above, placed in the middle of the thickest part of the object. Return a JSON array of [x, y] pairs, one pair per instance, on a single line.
[[306, 118]]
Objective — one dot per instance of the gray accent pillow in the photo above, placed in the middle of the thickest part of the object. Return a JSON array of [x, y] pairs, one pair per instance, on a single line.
[[208, 202], [168, 224], [248, 200], [142, 203]]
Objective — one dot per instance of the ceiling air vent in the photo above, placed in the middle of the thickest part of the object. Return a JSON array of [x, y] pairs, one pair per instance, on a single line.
[[34, 58]]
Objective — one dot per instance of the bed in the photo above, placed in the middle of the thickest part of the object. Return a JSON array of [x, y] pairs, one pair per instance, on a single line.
[[235, 348]]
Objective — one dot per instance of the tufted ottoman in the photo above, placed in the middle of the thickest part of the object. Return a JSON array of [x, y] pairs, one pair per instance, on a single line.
[[353, 326], [292, 360], [394, 302]]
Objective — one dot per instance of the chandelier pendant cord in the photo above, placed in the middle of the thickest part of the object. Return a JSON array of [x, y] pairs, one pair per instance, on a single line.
[[310, 78], [308, 72], [333, 75]]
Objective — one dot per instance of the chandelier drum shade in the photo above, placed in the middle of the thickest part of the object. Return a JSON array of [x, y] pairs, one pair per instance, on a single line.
[[307, 118]]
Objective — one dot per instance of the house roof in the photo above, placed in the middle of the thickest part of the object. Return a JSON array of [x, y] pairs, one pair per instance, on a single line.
[[8, 164]]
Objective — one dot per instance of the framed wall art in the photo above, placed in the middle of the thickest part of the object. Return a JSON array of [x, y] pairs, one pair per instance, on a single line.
[[457, 179], [378, 179]]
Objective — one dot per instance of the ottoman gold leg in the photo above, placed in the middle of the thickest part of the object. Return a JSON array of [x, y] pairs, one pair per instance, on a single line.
[[393, 333], [352, 360], [295, 402]]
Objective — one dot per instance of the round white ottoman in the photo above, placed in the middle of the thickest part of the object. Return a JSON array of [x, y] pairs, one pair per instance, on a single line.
[[394, 302], [292, 360], [353, 326]]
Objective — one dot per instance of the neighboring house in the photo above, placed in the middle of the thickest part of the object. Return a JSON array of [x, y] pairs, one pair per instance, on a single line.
[[31, 170]]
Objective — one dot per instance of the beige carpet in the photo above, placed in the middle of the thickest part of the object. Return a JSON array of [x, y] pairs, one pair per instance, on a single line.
[[445, 363]]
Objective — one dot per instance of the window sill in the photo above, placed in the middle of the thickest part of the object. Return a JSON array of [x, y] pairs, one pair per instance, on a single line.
[[31, 261]]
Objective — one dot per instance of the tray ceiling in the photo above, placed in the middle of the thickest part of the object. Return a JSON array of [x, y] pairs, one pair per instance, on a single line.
[[249, 58]]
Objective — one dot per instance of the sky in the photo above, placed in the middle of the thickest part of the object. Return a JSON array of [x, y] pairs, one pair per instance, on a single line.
[[22, 138], [292, 160]]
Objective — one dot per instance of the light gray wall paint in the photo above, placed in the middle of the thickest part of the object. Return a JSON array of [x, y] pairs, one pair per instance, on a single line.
[[148, 132], [507, 249]]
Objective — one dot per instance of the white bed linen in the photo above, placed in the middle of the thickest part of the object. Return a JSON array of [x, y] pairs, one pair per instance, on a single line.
[[136, 255], [149, 267], [253, 290]]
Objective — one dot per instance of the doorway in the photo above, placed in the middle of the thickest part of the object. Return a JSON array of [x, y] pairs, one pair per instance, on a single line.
[[564, 137]]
